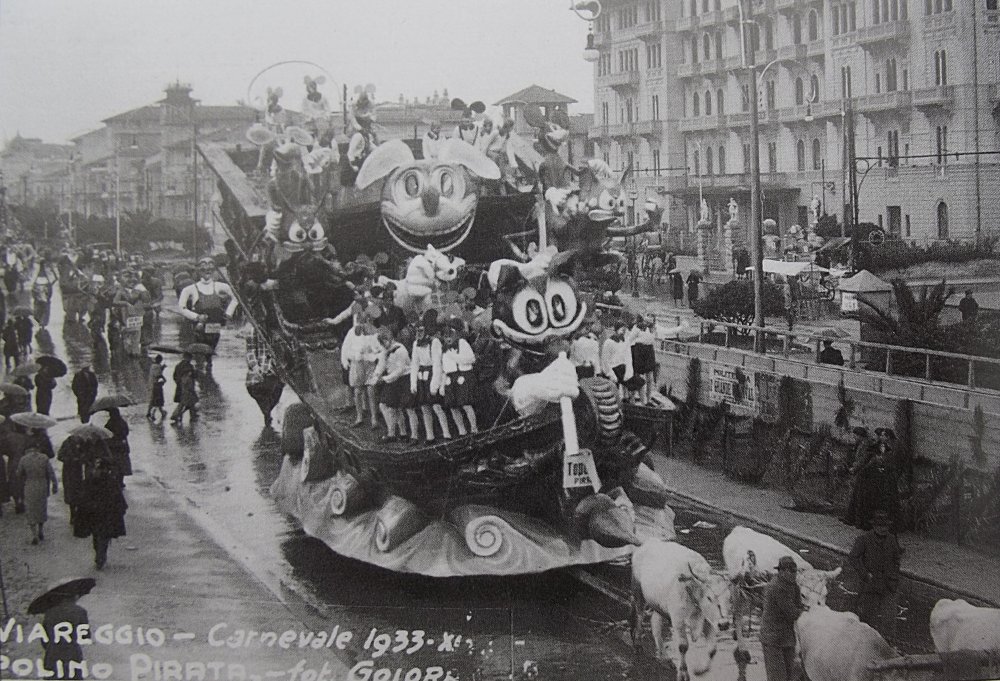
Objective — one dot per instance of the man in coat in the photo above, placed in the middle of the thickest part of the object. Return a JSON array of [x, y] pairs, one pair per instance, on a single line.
[[875, 559], [85, 388], [782, 606]]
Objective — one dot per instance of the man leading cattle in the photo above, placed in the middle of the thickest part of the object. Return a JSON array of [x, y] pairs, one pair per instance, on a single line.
[[208, 303], [782, 606]]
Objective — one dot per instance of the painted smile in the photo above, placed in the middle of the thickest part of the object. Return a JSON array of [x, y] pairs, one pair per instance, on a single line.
[[444, 240]]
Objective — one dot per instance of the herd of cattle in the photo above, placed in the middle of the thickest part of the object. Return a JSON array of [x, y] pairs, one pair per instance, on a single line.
[[678, 585]]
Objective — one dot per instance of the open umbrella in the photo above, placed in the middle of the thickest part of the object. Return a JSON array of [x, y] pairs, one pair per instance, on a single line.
[[12, 390], [110, 402], [89, 430], [26, 369], [31, 419], [22, 311], [199, 349], [59, 590], [56, 366]]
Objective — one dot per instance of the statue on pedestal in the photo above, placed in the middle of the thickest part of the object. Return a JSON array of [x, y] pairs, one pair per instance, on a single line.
[[734, 210], [705, 215]]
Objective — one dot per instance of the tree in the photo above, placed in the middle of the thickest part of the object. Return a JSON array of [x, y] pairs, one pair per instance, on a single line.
[[733, 302]]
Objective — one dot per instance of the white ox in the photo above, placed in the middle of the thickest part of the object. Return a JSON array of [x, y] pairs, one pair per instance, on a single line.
[[837, 646], [751, 560], [958, 625], [679, 585]]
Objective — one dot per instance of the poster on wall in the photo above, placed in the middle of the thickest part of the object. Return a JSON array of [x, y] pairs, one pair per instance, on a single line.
[[752, 392]]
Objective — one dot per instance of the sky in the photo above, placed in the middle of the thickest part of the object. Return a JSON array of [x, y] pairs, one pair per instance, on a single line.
[[67, 64]]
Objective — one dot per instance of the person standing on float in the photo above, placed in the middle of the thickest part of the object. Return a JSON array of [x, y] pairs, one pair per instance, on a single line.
[[208, 303]]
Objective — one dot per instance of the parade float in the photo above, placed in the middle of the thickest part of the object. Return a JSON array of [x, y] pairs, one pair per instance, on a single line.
[[520, 495]]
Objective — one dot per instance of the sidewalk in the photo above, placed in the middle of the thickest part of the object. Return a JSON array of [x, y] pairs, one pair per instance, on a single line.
[[944, 565], [168, 574]]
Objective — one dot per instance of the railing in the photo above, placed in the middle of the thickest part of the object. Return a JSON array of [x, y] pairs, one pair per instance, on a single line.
[[651, 128], [943, 95], [620, 79], [889, 30], [731, 330]]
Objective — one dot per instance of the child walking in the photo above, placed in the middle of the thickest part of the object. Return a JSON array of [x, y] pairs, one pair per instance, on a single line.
[[156, 381]]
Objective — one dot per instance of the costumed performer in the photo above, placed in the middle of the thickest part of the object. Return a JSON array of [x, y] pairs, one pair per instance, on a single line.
[[458, 384], [205, 303], [425, 375], [393, 373]]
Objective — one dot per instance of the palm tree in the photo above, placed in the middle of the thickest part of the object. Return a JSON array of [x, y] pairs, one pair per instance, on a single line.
[[916, 324]]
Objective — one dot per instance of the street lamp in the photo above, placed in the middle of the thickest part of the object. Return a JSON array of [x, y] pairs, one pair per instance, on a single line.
[[588, 10]]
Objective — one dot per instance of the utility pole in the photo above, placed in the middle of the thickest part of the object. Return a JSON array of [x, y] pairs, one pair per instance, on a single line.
[[194, 173], [852, 169], [756, 238]]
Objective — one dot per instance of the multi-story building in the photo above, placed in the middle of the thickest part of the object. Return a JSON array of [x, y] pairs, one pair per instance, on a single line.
[[25, 161], [919, 75]]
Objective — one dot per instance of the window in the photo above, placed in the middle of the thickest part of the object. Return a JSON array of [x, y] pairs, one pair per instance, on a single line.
[[718, 46], [800, 155], [696, 105], [893, 148], [656, 162], [708, 103], [720, 102], [942, 220], [722, 160], [630, 159], [878, 83], [854, 16], [940, 68], [876, 18], [770, 95], [746, 158], [991, 5], [697, 164], [890, 75], [708, 161], [799, 96], [746, 97], [694, 8], [817, 155], [835, 19], [655, 108], [605, 113], [814, 88], [694, 50], [813, 25], [908, 233], [942, 143], [768, 35], [772, 157], [797, 29], [706, 46], [845, 82]]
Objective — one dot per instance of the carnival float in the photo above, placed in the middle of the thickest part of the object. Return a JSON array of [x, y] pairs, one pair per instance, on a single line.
[[491, 231]]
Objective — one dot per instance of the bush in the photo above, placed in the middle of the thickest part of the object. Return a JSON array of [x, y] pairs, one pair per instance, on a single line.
[[733, 302], [897, 255]]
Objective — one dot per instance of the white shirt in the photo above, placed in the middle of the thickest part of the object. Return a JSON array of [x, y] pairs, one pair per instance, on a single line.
[[641, 336], [359, 347], [459, 359], [430, 146], [586, 350], [616, 353], [394, 363], [426, 356], [191, 293]]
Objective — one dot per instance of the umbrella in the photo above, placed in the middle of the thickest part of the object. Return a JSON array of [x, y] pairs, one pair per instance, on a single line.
[[88, 430], [56, 366], [110, 402], [199, 349], [31, 419], [22, 311], [59, 590], [170, 349], [835, 333], [26, 369], [12, 390]]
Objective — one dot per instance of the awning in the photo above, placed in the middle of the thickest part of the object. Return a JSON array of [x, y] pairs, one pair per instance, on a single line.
[[790, 269], [833, 243]]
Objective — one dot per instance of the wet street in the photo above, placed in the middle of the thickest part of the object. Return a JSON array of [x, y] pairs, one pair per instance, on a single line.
[[221, 466]]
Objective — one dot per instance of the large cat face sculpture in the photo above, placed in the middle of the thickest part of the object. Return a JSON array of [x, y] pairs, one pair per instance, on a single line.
[[429, 201]]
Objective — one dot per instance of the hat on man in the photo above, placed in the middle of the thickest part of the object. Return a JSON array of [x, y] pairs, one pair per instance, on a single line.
[[787, 563], [880, 519]]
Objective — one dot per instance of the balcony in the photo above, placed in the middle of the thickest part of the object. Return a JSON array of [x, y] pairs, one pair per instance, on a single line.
[[934, 97], [712, 66], [738, 120], [796, 114], [885, 102], [764, 57], [701, 123], [602, 39], [816, 49], [649, 128], [710, 18], [622, 79], [732, 63], [621, 130], [731, 15], [688, 70], [792, 52], [870, 36], [788, 5], [650, 32], [685, 24], [596, 132], [939, 23]]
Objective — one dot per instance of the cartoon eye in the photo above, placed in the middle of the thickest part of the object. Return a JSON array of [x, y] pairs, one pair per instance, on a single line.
[[296, 234], [411, 182], [620, 203], [447, 183], [561, 301], [605, 201], [529, 311], [316, 232]]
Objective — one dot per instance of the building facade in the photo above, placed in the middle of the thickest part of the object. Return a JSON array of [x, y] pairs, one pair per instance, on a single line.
[[920, 77]]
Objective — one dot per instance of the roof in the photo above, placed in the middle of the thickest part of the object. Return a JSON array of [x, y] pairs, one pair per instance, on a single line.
[[148, 112], [536, 94], [864, 282]]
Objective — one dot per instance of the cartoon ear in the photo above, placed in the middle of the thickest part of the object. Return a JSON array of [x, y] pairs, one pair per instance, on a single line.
[[386, 158], [533, 115], [603, 173], [626, 174], [278, 92], [477, 107], [319, 80], [457, 104], [509, 278], [476, 162]]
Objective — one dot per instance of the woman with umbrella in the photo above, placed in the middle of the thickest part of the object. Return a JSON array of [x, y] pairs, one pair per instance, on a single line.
[[50, 368], [35, 470], [118, 443], [100, 513], [59, 606]]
